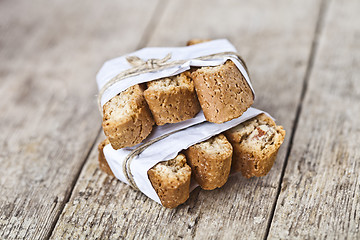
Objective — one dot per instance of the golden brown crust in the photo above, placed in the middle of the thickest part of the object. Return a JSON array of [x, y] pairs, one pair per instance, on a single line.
[[174, 101], [222, 91], [132, 123], [103, 164], [210, 162], [252, 165], [171, 190], [255, 145]]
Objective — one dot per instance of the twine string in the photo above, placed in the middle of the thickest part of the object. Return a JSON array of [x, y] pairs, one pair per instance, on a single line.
[[151, 65], [137, 151]]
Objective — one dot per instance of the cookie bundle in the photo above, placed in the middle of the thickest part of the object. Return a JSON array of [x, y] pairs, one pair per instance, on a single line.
[[170, 114]]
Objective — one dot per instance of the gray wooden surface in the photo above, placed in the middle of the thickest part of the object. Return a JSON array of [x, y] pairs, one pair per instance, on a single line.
[[304, 60]]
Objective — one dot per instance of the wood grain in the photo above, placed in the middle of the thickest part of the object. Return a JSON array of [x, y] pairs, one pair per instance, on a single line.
[[320, 194], [49, 54], [102, 207]]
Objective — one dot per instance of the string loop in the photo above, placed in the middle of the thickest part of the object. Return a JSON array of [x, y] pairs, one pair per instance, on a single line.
[[152, 65]]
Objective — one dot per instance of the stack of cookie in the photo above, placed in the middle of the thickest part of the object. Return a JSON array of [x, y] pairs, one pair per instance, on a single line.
[[223, 94]]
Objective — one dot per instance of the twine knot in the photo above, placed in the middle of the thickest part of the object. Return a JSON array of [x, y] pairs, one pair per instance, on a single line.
[[151, 63], [140, 66]]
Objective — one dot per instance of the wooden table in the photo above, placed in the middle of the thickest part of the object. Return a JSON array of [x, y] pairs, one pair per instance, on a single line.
[[304, 59]]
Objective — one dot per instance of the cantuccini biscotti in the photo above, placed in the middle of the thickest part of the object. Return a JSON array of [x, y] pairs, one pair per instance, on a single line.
[[127, 119], [103, 164], [172, 99], [255, 143], [222, 91], [210, 161], [249, 148], [170, 179]]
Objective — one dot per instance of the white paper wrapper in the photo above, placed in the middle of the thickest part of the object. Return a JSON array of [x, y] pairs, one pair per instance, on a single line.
[[113, 67], [194, 131]]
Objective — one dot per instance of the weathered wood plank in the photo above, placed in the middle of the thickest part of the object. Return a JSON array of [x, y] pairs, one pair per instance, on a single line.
[[49, 54], [320, 194], [103, 207]]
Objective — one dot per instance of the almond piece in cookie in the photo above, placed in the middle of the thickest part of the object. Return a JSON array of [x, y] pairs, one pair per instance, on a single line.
[[255, 143]]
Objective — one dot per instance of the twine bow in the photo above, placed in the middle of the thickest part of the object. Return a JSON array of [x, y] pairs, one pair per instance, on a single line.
[[152, 63], [140, 67]]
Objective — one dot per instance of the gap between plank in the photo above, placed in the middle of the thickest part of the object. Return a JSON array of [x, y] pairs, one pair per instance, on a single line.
[[154, 20], [72, 186], [313, 52]]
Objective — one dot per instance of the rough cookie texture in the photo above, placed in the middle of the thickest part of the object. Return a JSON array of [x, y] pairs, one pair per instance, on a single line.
[[210, 161], [172, 99], [171, 181], [222, 91], [255, 143], [127, 119], [103, 164]]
